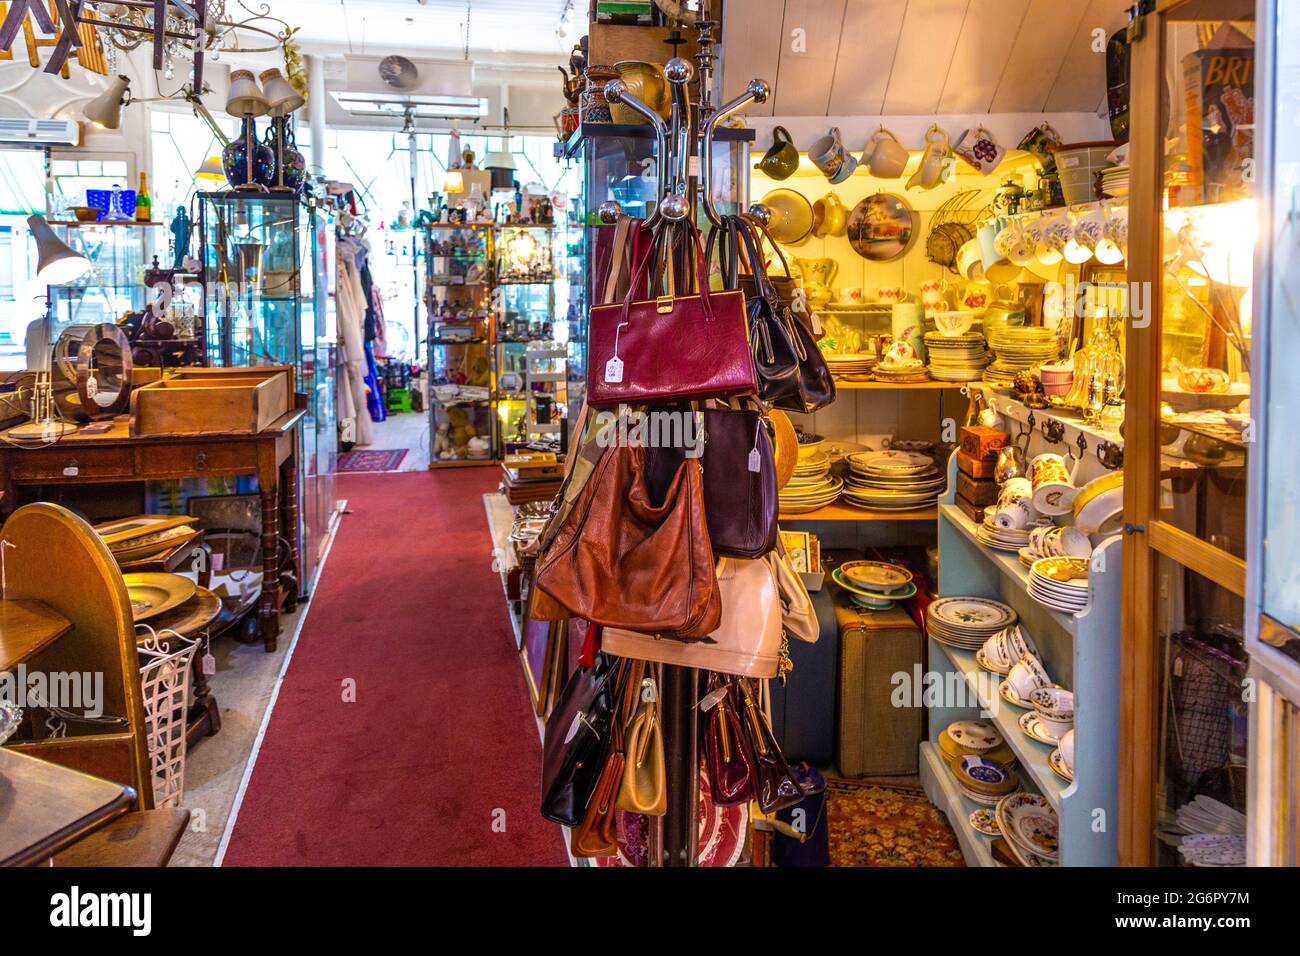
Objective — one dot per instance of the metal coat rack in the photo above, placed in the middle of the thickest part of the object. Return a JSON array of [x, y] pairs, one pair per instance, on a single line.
[[687, 134]]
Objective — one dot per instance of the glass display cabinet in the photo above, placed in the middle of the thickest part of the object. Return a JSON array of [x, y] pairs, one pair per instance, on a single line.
[[119, 254], [1193, 221], [460, 304], [530, 374], [1272, 578], [268, 266]]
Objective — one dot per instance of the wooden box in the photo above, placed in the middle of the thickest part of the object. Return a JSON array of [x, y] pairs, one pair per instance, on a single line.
[[213, 401], [971, 510], [979, 491], [976, 467], [980, 442]]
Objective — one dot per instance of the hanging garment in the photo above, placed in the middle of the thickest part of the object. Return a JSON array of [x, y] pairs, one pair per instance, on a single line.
[[352, 346]]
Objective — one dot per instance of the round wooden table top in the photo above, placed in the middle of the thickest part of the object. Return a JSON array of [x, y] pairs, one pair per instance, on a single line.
[[189, 619]]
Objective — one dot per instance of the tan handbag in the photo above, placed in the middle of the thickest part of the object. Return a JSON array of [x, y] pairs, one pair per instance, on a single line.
[[597, 834], [747, 641], [797, 612], [644, 788]]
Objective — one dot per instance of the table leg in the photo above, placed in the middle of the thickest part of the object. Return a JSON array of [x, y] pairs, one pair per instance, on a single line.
[[204, 718], [268, 486], [291, 579]]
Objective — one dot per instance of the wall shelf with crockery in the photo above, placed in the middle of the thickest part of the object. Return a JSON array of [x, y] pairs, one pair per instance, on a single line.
[[842, 512], [1079, 651], [900, 386]]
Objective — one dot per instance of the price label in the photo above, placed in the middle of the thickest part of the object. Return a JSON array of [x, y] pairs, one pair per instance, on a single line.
[[614, 370], [755, 461], [209, 665], [713, 698]]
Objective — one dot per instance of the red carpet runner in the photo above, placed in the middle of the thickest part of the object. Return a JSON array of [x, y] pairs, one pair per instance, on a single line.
[[440, 745]]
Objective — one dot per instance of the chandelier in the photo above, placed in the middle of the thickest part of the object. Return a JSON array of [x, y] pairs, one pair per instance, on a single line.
[[189, 32]]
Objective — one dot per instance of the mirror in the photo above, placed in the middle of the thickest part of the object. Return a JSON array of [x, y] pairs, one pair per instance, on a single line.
[[104, 367]]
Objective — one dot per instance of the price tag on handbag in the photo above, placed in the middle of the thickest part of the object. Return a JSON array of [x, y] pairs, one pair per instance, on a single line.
[[713, 698], [614, 370], [756, 459]]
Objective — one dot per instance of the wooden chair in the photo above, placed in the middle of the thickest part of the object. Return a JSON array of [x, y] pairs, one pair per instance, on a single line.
[[52, 556]]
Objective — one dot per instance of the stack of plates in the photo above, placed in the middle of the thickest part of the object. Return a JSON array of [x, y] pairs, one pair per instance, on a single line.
[[1002, 539], [1019, 349], [982, 780], [875, 585], [1060, 583], [952, 750], [1031, 828], [851, 367], [956, 358], [908, 374], [893, 480], [811, 487], [967, 622], [1114, 181]]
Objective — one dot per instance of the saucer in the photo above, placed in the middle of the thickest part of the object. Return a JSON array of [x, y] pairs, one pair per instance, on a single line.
[[1057, 763], [985, 822], [976, 735], [1008, 693], [983, 661], [1035, 729]]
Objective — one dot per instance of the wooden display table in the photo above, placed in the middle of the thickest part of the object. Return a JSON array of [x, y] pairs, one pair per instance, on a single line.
[[117, 456], [48, 808]]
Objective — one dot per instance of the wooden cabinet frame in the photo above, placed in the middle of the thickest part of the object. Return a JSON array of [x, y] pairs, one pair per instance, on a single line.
[[1147, 538]]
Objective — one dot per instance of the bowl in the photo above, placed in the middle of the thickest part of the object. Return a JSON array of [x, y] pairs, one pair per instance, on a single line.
[[809, 445], [953, 324], [85, 213]]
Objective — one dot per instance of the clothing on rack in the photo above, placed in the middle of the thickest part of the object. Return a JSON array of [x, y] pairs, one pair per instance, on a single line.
[[357, 382]]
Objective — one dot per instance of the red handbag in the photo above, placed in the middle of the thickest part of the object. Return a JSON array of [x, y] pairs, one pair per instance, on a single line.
[[671, 348]]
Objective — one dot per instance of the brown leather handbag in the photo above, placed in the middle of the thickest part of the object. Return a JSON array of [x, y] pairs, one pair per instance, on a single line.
[[597, 834], [622, 559]]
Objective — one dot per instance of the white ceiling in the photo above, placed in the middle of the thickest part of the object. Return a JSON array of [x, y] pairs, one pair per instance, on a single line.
[[435, 27], [919, 57]]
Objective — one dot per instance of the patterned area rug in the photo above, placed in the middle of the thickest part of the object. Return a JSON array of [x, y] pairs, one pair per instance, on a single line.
[[371, 459], [875, 825]]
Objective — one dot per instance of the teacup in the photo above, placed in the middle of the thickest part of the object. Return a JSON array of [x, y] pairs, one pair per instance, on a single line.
[[997, 651], [1073, 543], [1055, 726], [891, 294], [976, 296], [1055, 703], [987, 238], [1066, 746], [1052, 234], [830, 217], [1019, 643], [970, 263], [932, 296], [1015, 505], [829, 155], [1085, 233], [851, 295], [884, 155], [782, 158], [1016, 244], [954, 323], [1053, 485], [1024, 678]]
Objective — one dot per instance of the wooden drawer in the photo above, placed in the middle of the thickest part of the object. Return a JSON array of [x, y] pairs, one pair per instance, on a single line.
[[70, 462], [208, 458]]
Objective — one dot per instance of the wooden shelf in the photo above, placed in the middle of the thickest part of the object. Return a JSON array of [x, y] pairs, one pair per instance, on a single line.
[[842, 512], [26, 629], [903, 386], [942, 791]]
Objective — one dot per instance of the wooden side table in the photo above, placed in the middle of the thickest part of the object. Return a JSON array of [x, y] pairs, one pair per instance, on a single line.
[[118, 456]]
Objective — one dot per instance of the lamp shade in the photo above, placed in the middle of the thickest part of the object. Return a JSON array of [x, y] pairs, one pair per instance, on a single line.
[[105, 110], [246, 97], [57, 263], [211, 169], [281, 98]]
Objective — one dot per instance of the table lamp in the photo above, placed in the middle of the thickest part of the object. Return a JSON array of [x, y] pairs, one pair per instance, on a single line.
[[248, 164], [57, 263], [282, 100]]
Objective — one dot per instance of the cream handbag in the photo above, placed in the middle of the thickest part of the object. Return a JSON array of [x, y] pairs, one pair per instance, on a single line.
[[797, 613], [747, 641]]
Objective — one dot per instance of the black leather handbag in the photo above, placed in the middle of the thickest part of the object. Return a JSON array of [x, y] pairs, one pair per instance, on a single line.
[[815, 386], [577, 739], [775, 351]]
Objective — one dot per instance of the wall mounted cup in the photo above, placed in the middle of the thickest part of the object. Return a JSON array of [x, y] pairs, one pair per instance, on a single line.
[[782, 158], [829, 155], [884, 155]]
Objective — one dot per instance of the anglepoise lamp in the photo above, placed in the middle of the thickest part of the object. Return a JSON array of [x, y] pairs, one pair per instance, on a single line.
[[57, 263], [282, 100], [105, 110], [249, 165]]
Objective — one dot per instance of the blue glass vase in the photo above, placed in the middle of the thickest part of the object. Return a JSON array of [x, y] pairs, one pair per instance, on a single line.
[[235, 159], [290, 166]]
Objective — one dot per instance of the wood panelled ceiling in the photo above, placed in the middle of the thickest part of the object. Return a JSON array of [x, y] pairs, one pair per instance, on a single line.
[[919, 57]]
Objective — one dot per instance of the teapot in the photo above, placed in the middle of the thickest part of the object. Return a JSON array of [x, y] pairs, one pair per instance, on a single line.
[[817, 275]]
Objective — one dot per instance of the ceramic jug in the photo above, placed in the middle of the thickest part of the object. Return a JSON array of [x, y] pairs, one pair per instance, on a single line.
[[930, 172], [782, 159], [830, 217], [884, 155], [817, 277]]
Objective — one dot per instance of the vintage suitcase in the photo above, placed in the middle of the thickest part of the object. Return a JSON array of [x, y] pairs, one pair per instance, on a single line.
[[876, 738], [803, 709]]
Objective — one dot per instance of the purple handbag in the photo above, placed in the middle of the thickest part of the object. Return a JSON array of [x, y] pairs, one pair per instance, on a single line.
[[740, 494]]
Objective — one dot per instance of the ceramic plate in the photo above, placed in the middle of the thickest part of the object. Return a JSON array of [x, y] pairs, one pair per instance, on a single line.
[[983, 661], [977, 735], [982, 775], [1008, 693], [876, 576], [985, 822], [973, 614], [901, 594], [1034, 828]]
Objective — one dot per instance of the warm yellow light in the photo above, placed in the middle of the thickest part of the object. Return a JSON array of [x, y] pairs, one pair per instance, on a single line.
[[453, 182], [1077, 253], [1224, 233]]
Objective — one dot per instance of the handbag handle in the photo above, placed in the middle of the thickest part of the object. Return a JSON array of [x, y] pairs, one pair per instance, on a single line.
[[702, 272], [616, 259]]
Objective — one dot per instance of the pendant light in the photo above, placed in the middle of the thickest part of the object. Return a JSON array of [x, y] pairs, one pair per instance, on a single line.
[[501, 163]]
